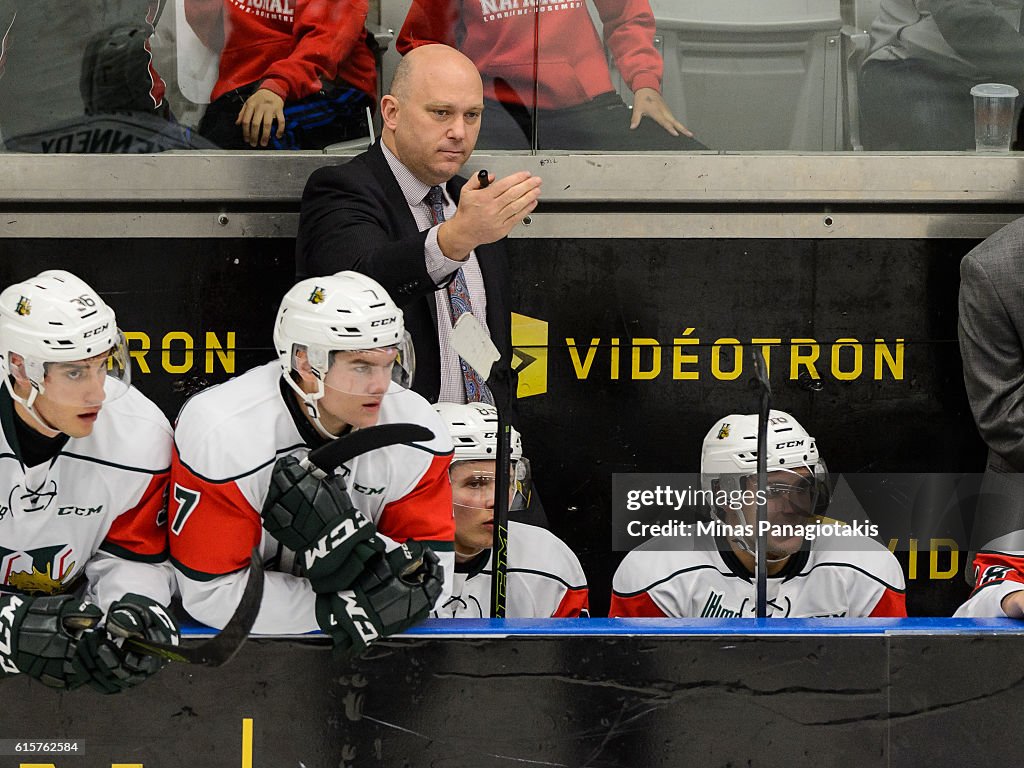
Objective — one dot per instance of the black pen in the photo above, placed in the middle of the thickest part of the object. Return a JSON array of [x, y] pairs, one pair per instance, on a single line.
[[484, 178]]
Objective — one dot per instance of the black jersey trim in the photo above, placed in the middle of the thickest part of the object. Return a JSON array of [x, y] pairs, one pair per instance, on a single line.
[[279, 452], [853, 567], [115, 465], [201, 575], [545, 574], [727, 574], [439, 546], [126, 554]]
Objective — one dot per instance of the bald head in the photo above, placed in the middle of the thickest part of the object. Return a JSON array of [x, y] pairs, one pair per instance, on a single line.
[[430, 61], [432, 114]]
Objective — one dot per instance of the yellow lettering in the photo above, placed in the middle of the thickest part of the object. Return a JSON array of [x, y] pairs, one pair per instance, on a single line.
[[893, 361], [188, 358], [227, 359], [615, 359], [798, 358], [679, 359], [138, 355], [716, 360], [655, 359], [858, 359], [912, 563], [246, 742], [954, 559], [582, 369]]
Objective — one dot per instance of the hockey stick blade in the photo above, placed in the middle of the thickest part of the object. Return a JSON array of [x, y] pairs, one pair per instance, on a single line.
[[328, 457], [223, 647]]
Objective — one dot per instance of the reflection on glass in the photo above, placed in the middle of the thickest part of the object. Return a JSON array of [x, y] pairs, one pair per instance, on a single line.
[[81, 77], [925, 57], [546, 77]]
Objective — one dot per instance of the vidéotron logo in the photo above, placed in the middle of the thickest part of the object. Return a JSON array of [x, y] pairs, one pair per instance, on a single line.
[[530, 354]]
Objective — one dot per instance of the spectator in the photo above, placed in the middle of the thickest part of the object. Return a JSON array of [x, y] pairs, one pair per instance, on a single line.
[[293, 75], [925, 57], [551, 68]]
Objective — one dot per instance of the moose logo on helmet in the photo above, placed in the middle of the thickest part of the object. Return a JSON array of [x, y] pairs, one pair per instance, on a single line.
[[723, 433], [317, 296], [24, 306]]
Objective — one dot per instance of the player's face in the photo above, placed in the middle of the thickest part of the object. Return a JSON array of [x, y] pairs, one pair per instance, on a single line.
[[790, 501], [436, 122], [473, 504], [354, 388], [73, 395]]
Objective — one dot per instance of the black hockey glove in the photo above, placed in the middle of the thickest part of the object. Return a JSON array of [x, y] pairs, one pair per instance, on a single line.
[[316, 518], [39, 637], [113, 666], [397, 590]]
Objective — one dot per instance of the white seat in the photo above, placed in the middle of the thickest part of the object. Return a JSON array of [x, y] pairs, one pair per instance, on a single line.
[[755, 74]]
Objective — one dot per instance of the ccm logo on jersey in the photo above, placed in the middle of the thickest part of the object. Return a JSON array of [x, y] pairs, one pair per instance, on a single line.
[[340, 533], [6, 635], [358, 617]]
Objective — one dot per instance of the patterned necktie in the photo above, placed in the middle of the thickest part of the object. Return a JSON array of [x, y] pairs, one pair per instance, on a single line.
[[459, 304]]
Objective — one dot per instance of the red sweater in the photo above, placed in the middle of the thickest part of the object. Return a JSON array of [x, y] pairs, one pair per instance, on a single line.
[[290, 46], [571, 63]]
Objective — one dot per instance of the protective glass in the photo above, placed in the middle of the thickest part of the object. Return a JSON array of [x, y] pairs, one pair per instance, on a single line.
[[79, 383], [371, 372]]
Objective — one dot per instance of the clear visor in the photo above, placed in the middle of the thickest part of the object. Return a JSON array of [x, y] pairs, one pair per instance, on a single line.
[[473, 484], [371, 372], [79, 383], [800, 490]]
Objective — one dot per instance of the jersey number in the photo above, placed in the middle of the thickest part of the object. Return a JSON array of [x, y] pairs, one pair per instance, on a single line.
[[187, 501]]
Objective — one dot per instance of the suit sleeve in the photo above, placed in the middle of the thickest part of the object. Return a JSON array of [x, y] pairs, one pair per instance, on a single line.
[[997, 574], [993, 362], [629, 34], [213, 529], [343, 225], [325, 32], [429, 21]]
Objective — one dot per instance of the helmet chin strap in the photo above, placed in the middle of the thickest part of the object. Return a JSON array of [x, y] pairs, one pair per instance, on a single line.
[[28, 404], [309, 400]]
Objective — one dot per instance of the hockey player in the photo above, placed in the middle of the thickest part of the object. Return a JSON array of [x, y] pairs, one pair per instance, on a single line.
[[998, 579], [711, 576], [344, 362], [84, 463], [544, 577]]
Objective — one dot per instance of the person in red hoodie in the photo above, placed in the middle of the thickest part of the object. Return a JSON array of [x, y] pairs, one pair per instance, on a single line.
[[546, 57], [294, 74]]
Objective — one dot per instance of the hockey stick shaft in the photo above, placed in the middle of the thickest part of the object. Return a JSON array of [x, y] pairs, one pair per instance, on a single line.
[[764, 413], [329, 457], [223, 647]]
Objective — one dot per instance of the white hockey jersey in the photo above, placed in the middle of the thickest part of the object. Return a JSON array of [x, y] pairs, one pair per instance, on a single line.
[[96, 509], [544, 580], [834, 576], [227, 439]]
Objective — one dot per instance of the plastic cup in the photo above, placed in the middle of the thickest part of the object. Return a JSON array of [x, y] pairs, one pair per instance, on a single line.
[[993, 116]]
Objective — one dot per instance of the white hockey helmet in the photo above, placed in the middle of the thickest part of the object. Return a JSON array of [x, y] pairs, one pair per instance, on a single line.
[[474, 431], [729, 453], [56, 317], [344, 312]]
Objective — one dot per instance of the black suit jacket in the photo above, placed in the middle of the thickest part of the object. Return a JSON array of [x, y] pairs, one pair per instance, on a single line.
[[354, 216]]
